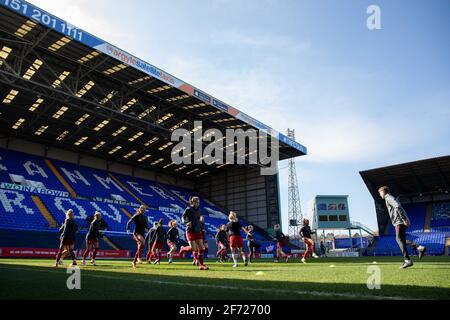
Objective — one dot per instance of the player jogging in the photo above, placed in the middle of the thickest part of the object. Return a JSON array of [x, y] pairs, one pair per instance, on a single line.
[[149, 241], [172, 237], [158, 244], [191, 217], [251, 243], [305, 233], [280, 239], [222, 240], [401, 222], [205, 241], [92, 238], [140, 226], [68, 237], [234, 228]]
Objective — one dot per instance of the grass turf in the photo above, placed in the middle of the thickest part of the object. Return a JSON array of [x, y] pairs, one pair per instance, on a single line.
[[343, 278]]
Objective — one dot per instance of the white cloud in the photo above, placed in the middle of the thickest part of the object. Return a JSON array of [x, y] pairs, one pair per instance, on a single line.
[[237, 38], [85, 15]]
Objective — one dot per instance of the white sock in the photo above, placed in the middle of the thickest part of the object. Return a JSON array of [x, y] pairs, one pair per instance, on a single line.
[[234, 258]]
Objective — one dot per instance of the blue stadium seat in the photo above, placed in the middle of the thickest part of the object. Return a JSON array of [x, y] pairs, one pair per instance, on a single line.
[[434, 241], [440, 217], [91, 183], [416, 213], [95, 189], [84, 209], [206, 206], [18, 211], [152, 194], [28, 166]]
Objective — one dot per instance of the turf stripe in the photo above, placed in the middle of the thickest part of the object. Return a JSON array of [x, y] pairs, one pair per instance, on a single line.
[[320, 294]]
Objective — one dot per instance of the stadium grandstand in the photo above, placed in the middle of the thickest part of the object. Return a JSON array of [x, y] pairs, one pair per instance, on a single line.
[[423, 189], [86, 125]]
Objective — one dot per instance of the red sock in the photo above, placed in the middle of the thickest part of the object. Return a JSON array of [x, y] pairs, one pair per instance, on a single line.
[[138, 253], [195, 255], [94, 254], [85, 254], [72, 254], [159, 256], [305, 255], [58, 255], [201, 257]]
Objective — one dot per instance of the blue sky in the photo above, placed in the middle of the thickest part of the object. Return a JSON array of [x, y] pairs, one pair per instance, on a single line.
[[358, 99]]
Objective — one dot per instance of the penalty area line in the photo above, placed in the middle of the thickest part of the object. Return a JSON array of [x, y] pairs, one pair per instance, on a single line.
[[320, 294]]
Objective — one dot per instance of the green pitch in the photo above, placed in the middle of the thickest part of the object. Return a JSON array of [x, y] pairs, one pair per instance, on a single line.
[[344, 278]]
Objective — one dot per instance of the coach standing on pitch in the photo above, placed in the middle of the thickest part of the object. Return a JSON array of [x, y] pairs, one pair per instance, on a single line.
[[401, 222]]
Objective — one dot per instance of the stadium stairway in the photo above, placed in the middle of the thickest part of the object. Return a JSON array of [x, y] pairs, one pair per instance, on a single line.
[[428, 216], [126, 212], [44, 211], [61, 178], [110, 242], [173, 194], [126, 189], [357, 224]]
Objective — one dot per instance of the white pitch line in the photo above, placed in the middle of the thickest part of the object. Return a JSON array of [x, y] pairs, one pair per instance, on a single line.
[[213, 286]]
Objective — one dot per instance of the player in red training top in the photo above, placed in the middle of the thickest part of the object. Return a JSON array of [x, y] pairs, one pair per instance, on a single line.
[[251, 243], [191, 218], [92, 238], [234, 228], [68, 237], [150, 240], [158, 244], [172, 237], [205, 241], [280, 238], [140, 227], [305, 233], [222, 241]]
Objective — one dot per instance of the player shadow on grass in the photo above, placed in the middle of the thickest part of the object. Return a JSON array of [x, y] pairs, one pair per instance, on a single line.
[[32, 282]]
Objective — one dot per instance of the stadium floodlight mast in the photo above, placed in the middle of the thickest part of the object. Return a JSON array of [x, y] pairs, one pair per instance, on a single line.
[[234, 143], [294, 208]]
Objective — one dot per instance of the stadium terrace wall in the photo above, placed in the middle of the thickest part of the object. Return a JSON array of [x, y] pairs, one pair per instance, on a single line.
[[254, 197]]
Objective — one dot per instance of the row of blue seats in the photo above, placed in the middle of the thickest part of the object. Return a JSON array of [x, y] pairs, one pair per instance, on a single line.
[[17, 210], [435, 243], [28, 166], [94, 184], [440, 215], [166, 201], [416, 213]]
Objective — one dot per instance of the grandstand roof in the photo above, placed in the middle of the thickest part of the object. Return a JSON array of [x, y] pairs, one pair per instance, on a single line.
[[62, 86], [424, 178]]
